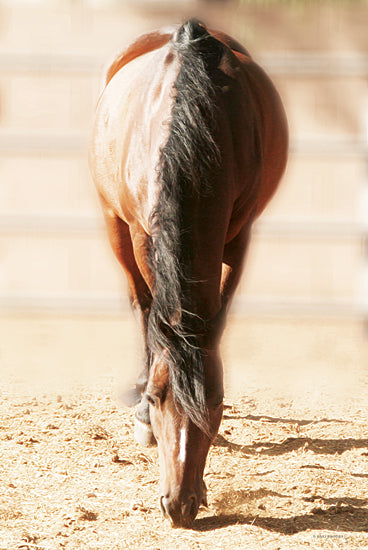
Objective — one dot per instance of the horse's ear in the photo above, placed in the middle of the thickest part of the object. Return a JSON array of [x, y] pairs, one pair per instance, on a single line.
[[159, 372]]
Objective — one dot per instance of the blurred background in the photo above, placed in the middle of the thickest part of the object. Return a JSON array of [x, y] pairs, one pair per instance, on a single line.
[[303, 300]]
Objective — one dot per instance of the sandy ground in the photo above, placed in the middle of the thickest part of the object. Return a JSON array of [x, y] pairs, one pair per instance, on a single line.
[[289, 468]]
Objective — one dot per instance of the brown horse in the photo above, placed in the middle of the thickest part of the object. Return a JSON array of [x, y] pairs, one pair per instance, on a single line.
[[189, 144]]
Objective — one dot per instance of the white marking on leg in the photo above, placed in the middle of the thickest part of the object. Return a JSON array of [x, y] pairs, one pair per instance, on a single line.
[[183, 443]]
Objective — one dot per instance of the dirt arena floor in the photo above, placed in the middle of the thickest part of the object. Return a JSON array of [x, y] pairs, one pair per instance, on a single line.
[[288, 470]]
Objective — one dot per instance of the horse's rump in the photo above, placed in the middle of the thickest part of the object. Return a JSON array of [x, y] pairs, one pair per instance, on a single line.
[[143, 44]]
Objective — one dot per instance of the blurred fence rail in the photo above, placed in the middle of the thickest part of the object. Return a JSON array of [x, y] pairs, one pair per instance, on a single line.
[[115, 303], [76, 143], [316, 64], [89, 225], [308, 252]]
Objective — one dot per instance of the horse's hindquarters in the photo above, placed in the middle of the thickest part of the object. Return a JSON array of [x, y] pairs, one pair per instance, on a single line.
[[130, 129]]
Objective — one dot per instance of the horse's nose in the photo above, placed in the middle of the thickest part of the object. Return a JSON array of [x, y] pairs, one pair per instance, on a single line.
[[181, 513]]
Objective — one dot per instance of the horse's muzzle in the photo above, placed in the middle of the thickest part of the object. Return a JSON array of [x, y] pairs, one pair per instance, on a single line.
[[143, 433], [180, 513]]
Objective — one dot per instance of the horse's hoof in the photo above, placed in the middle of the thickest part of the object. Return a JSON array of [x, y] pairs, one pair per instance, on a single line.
[[143, 433]]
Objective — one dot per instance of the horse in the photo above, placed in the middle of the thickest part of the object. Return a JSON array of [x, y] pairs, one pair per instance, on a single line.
[[189, 144]]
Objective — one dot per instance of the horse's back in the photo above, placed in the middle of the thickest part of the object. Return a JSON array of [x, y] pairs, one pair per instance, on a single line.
[[133, 122]]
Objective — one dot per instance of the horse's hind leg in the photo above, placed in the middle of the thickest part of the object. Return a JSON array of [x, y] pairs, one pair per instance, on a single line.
[[141, 298]]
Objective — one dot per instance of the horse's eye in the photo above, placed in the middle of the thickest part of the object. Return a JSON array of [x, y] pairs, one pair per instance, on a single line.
[[153, 399]]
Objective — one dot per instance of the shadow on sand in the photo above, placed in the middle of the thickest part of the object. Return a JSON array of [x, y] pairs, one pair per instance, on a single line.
[[334, 518], [346, 514], [318, 446], [277, 420]]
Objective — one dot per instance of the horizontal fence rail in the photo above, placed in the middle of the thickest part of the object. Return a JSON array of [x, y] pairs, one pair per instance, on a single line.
[[311, 64], [114, 304], [318, 64], [38, 143], [91, 226], [43, 143], [76, 143]]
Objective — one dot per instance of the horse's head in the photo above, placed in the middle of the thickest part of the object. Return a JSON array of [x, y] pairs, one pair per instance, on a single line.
[[182, 445]]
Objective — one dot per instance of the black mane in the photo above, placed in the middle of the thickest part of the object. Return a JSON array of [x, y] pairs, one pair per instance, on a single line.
[[186, 164]]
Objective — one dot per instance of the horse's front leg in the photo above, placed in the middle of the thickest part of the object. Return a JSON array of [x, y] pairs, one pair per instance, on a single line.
[[142, 423], [134, 396], [140, 297]]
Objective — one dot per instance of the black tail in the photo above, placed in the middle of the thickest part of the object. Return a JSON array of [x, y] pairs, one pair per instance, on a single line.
[[186, 163]]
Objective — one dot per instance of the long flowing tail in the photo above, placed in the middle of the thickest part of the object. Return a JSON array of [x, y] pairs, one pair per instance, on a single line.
[[186, 164]]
